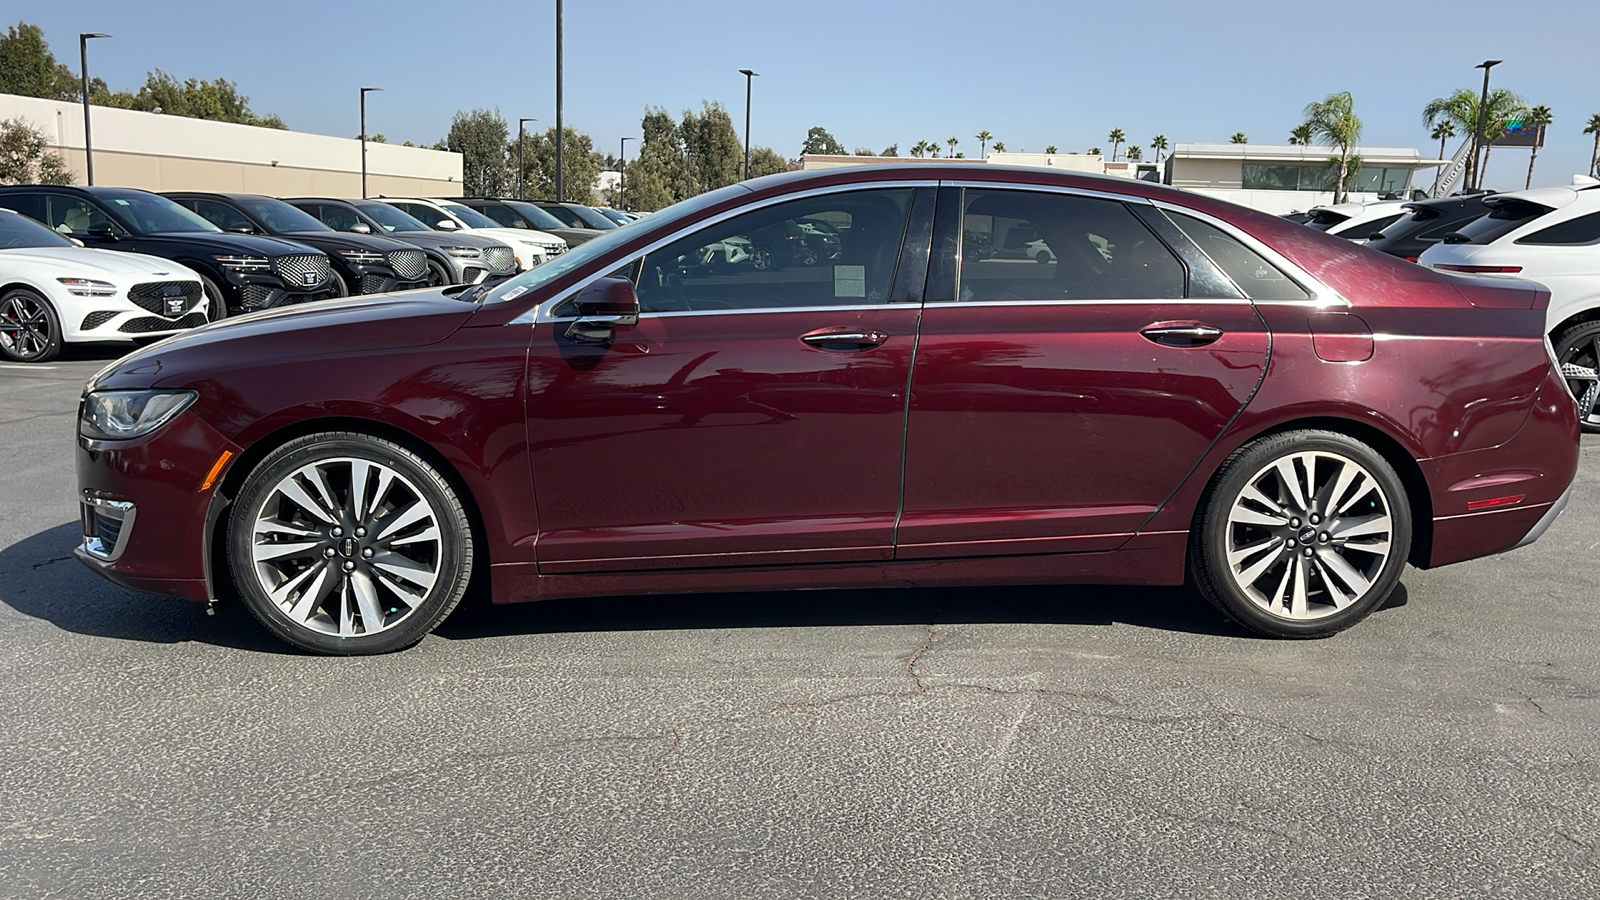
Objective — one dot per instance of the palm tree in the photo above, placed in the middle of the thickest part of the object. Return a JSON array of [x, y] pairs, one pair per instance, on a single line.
[[1135, 153], [919, 148], [1300, 135], [952, 142], [1050, 149], [1238, 138], [1116, 137], [1158, 144], [1096, 151], [1442, 132], [1460, 108], [933, 149], [1594, 156], [1333, 121], [984, 137], [999, 146], [1537, 119]]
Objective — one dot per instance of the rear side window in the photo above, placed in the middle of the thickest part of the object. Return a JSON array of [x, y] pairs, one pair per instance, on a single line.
[[1324, 219], [1368, 229], [1582, 230], [1259, 279], [1503, 218], [502, 215], [567, 216]]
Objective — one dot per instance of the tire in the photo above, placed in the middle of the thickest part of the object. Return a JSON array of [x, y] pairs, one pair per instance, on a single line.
[[1578, 352], [1043, 257], [1301, 569], [761, 259], [341, 288], [216, 306], [30, 330], [438, 275], [307, 566]]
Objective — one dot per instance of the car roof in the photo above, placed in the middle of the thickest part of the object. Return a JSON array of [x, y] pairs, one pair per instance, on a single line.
[[1553, 197]]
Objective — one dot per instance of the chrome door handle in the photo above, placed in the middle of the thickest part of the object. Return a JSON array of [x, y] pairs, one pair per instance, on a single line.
[[835, 339], [1181, 334]]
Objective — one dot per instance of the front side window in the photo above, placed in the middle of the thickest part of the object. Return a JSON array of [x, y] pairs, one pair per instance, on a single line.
[[1582, 230], [17, 231], [280, 216], [391, 219], [776, 257], [336, 217], [503, 216], [220, 214], [566, 217], [473, 218], [75, 216], [155, 214], [1062, 247], [1259, 279]]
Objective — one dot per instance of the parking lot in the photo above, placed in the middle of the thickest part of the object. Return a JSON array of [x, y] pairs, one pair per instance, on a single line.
[[1021, 742]]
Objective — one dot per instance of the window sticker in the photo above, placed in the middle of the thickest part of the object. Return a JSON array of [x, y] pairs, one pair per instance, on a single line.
[[121, 202], [850, 281], [515, 292]]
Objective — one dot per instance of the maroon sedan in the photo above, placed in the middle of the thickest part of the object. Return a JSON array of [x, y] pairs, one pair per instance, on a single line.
[[1178, 387]]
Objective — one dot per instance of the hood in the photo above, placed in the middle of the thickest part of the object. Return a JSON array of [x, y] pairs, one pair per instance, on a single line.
[[228, 242], [438, 239], [513, 235], [78, 261], [576, 236], [344, 327], [345, 240]]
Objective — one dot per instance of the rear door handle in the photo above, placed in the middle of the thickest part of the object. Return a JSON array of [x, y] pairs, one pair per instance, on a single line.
[[1181, 334], [843, 339]]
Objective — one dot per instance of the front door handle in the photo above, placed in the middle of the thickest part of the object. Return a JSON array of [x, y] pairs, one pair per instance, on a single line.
[[1181, 334], [843, 339]]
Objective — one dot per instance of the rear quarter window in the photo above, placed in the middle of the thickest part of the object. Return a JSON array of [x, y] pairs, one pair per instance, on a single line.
[[1259, 279], [1503, 218], [1582, 230]]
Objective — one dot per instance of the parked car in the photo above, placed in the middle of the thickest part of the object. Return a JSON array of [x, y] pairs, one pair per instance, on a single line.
[[1356, 221], [1552, 236], [615, 215], [362, 263], [576, 215], [239, 272], [55, 292], [522, 214], [1228, 397], [532, 248], [1425, 223], [452, 258]]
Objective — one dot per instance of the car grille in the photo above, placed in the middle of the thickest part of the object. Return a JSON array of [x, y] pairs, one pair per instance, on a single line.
[[471, 274], [500, 259], [373, 284], [408, 265], [554, 249], [152, 296], [302, 269], [257, 296], [148, 324], [96, 319]]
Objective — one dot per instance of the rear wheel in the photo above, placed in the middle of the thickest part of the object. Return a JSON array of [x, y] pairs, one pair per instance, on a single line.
[[348, 544], [30, 330], [1302, 534], [1578, 351]]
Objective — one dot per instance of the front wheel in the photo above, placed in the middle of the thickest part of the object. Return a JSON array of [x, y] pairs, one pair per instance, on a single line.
[[1578, 352], [1302, 534], [348, 544], [216, 306], [437, 275], [30, 330]]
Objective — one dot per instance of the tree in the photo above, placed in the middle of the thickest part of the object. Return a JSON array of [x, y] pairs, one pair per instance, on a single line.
[[1135, 153], [29, 69], [999, 146], [1050, 149], [819, 141], [1594, 155], [1158, 144], [1442, 132], [1300, 135], [932, 147], [26, 158], [1333, 121], [864, 151], [1096, 151], [480, 137], [952, 142], [766, 161], [1460, 108], [1537, 119], [715, 153], [580, 163], [1116, 137], [984, 137], [891, 150], [1238, 138], [919, 148]]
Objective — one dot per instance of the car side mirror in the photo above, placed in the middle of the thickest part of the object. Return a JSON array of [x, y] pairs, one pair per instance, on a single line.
[[361, 228], [242, 228], [445, 225], [602, 308], [102, 232]]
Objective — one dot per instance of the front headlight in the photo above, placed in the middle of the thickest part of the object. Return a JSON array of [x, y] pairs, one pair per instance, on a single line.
[[88, 287], [362, 257], [463, 252], [244, 263], [121, 415]]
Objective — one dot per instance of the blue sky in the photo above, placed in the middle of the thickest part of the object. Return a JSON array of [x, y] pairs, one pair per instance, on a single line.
[[873, 72]]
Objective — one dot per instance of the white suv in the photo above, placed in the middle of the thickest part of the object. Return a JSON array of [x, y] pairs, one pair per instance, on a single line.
[[532, 247], [1552, 236], [1356, 221]]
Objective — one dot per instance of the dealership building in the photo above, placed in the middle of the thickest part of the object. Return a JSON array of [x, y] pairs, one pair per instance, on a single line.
[[168, 153], [1281, 178]]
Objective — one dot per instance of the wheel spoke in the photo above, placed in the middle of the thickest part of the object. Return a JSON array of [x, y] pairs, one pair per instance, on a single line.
[[360, 471], [292, 489], [1280, 597], [1349, 528], [425, 536], [266, 526], [1340, 598], [311, 599], [1265, 552], [268, 551], [1343, 571], [380, 493], [1299, 605], [367, 598], [1291, 481], [1244, 515], [313, 474], [1363, 485], [296, 582], [397, 522], [407, 569]]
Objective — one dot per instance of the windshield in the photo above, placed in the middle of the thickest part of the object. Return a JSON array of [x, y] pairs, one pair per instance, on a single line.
[[390, 218], [593, 218], [585, 253], [17, 231], [472, 217], [536, 217], [154, 214], [1503, 218], [280, 216]]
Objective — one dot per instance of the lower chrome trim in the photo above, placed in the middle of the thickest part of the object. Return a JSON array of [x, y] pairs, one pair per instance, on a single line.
[[1546, 520]]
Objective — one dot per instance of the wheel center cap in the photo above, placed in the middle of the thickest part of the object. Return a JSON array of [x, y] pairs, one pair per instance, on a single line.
[[347, 548], [1307, 536]]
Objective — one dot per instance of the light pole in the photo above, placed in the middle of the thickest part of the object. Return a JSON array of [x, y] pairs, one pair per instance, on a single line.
[[521, 139], [561, 136], [83, 70], [622, 170], [1483, 112], [749, 76], [364, 92]]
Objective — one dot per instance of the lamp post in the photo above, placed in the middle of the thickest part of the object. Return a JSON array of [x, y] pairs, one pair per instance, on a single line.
[[521, 139], [1483, 112], [622, 170], [561, 135], [83, 70], [364, 92], [749, 76]]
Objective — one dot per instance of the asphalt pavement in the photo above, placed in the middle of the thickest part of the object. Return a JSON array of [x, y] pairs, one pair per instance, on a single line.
[[976, 743]]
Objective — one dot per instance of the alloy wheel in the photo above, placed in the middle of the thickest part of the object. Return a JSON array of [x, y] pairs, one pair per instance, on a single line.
[[26, 332], [1308, 535], [1580, 367]]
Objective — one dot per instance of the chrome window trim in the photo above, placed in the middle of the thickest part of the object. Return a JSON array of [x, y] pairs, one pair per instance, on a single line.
[[541, 313], [768, 310], [1322, 296], [1124, 301], [1047, 188]]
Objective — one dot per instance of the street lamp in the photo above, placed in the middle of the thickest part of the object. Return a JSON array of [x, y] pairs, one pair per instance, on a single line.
[[622, 170], [1483, 112], [748, 77], [561, 135], [521, 139], [83, 70], [364, 92]]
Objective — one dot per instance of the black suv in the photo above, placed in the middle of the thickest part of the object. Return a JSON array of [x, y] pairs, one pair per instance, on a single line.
[[1427, 222], [240, 272], [363, 264], [522, 214], [453, 257], [576, 215]]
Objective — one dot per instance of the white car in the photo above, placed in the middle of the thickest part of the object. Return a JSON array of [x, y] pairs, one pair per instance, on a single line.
[[531, 247], [57, 292], [1356, 221], [1551, 236]]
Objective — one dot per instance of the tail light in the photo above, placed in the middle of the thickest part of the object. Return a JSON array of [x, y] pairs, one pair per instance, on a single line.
[[1411, 259], [1480, 270]]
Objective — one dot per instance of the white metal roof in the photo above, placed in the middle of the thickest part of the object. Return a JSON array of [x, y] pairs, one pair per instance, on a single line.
[[1381, 156]]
